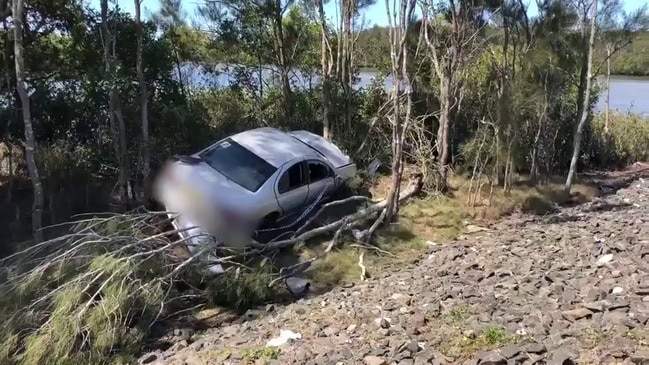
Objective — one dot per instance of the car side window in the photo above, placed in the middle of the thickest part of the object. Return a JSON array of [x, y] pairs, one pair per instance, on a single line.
[[318, 171], [291, 179]]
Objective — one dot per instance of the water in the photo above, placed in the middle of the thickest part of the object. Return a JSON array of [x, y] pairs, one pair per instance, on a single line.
[[628, 94]]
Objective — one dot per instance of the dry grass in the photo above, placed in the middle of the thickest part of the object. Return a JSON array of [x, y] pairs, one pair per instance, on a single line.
[[523, 197], [441, 218], [437, 219], [337, 267]]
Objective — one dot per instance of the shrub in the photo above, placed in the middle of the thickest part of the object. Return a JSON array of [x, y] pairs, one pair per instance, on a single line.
[[626, 142]]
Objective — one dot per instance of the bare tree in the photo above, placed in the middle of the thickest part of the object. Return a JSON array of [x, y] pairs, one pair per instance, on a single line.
[[116, 116], [398, 19], [449, 45], [10, 96], [326, 63], [18, 7], [144, 105], [585, 86]]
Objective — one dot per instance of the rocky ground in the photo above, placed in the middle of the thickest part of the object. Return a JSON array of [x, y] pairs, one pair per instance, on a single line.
[[570, 287]]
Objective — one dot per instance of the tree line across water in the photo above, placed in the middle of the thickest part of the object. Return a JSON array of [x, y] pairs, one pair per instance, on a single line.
[[93, 101]]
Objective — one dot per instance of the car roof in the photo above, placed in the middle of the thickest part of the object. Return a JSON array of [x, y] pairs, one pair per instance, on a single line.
[[272, 145]]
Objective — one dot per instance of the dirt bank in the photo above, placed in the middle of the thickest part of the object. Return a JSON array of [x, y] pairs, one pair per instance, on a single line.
[[569, 286]]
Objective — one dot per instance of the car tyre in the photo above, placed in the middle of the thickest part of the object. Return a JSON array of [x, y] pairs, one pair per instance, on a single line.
[[268, 221]]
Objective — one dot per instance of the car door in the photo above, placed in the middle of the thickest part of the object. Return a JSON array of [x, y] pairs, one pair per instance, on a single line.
[[292, 188], [320, 177]]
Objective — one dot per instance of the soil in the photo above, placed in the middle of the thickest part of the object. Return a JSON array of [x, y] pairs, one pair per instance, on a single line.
[[568, 287]]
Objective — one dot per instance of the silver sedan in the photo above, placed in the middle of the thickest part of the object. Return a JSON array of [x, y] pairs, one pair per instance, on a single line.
[[250, 181]]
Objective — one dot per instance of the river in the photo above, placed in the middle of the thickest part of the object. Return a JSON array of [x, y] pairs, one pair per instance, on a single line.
[[628, 94]]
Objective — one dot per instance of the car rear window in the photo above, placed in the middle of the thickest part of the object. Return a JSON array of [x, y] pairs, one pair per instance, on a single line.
[[238, 164]]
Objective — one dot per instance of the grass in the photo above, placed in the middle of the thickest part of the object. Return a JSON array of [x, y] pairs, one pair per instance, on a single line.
[[261, 354], [337, 267], [595, 338], [460, 341], [251, 355], [465, 344]]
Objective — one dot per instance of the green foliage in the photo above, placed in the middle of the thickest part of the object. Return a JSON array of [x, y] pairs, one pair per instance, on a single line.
[[243, 289], [84, 298], [626, 142]]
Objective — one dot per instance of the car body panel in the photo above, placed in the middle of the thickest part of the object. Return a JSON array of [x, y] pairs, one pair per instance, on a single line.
[[272, 145], [327, 149]]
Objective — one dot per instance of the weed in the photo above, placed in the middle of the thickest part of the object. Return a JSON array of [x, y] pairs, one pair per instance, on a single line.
[[494, 335], [462, 344], [265, 354], [459, 313]]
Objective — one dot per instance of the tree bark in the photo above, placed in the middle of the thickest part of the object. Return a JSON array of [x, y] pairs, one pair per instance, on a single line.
[[443, 132], [30, 141], [346, 67], [398, 29], [116, 117], [8, 80], [608, 89], [583, 106], [325, 63], [281, 50], [144, 107]]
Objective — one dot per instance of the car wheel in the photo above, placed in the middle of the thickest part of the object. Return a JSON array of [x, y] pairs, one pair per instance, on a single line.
[[268, 221]]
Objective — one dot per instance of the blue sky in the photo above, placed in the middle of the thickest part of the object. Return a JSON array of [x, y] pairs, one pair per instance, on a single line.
[[373, 15]]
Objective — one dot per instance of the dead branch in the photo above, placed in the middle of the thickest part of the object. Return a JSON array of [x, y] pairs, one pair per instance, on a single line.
[[327, 206], [413, 188]]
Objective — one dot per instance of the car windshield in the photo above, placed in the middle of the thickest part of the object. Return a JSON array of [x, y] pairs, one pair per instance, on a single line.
[[238, 164]]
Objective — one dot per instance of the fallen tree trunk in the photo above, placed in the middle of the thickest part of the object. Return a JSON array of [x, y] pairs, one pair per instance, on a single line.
[[79, 283]]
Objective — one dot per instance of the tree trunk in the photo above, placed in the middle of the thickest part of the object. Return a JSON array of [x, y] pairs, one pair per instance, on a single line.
[[30, 141], [399, 59], [583, 106], [8, 80], [327, 123], [608, 89], [144, 107], [443, 133], [281, 51], [346, 67], [116, 118]]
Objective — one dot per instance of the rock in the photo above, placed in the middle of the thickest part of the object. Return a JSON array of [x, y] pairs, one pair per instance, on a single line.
[[177, 347], [373, 360], [149, 358], [248, 316], [491, 358], [598, 306], [535, 348], [603, 260], [576, 314], [384, 323], [413, 346], [510, 351], [640, 357], [384, 332], [643, 290], [561, 357]]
